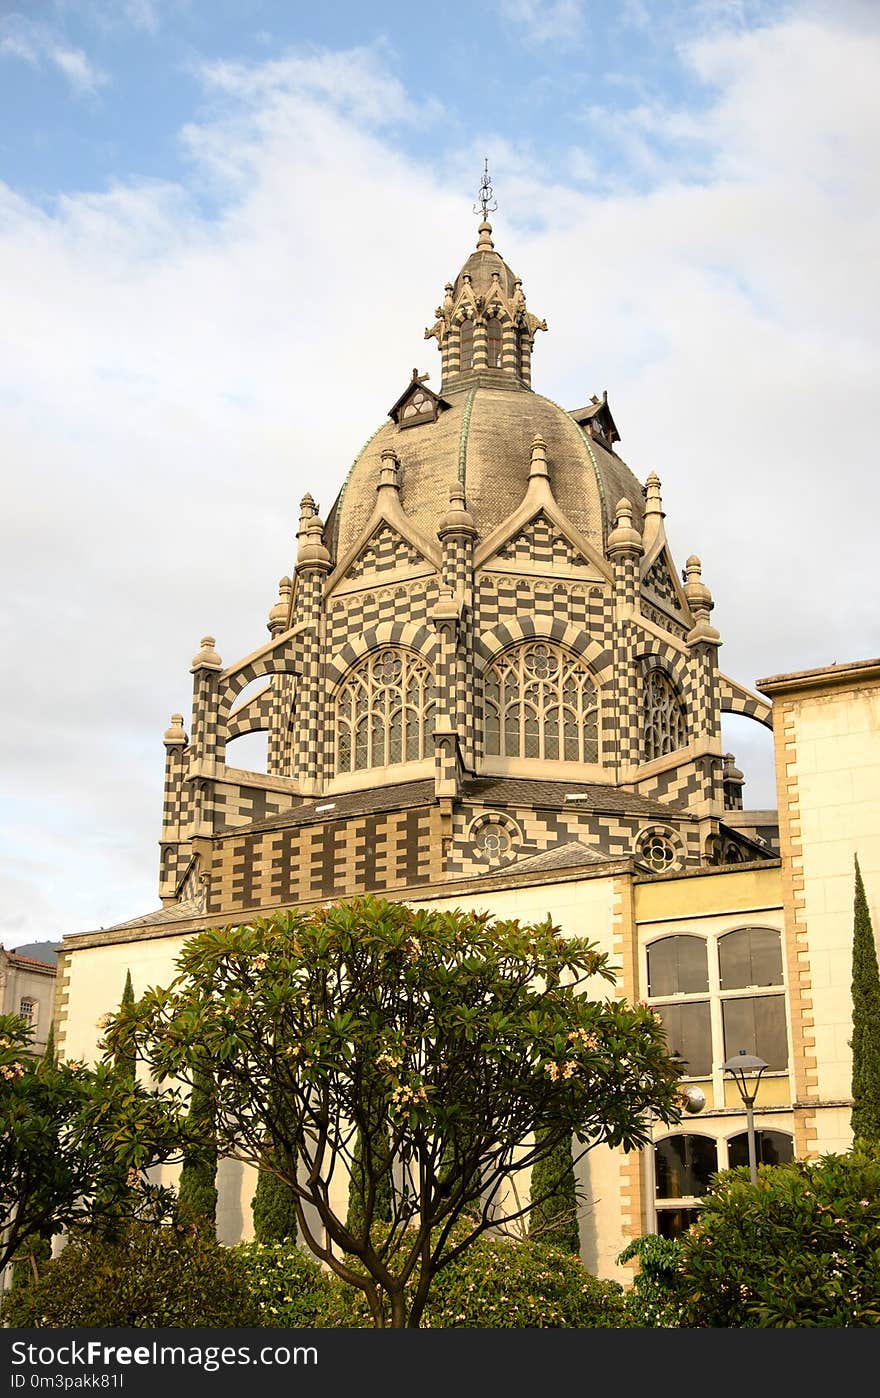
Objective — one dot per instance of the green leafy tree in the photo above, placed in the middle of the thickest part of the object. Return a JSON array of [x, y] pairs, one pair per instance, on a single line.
[[554, 1217], [797, 1250], [865, 1117], [64, 1131], [478, 1034], [197, 1189]]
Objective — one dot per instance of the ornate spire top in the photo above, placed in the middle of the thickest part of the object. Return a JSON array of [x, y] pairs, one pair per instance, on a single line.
[[486, 201]]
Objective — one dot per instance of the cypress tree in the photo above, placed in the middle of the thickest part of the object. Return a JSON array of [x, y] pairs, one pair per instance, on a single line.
[[49, 1054], [196, 1190], [865, 1119], [554, 1219], [126, 1063], [274, 1209]]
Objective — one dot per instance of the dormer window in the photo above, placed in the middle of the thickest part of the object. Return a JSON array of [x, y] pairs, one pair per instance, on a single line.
[[420, 407], [417, 404], [467, 345]]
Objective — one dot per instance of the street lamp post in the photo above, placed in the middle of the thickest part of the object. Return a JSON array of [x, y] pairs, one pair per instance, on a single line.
[[737, 1067]]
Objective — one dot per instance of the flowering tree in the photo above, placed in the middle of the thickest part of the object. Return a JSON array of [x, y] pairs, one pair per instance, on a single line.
[[473, 1041], [62, 1139]]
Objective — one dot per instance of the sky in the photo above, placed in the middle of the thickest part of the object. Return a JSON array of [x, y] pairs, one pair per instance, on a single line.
[[224, 227]]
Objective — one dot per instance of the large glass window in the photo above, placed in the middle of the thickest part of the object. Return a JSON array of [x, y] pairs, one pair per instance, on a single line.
[[756, 1025], [678, 966], [385, 712], [540, 702], [688, 1029], [751, 958]]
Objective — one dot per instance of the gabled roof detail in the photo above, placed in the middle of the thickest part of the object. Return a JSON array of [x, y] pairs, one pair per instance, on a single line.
[[660, 579], [596, 417], [417, 403], [542, 541], [384, 551]]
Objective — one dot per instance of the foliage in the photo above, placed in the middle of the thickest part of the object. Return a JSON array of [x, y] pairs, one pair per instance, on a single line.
[[154, 1275], [472, 1035], [654, 1301], [289, 1287], [501, 1282], [865, 1021], [274, 1209], [72, 1143], [554, 1216], [799, 1249], [196, 1189]]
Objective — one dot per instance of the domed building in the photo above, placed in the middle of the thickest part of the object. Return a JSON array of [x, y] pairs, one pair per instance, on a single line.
[[488, 685], [484, 657]]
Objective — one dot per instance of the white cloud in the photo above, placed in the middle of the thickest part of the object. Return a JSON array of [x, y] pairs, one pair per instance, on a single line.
[[544, 21], [171, 383], [37, 44]]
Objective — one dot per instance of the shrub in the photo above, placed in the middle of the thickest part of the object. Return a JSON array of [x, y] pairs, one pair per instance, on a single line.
[[288, 1287], [152, 1276], [799, 1249], [654, 1300], [502, 1283]]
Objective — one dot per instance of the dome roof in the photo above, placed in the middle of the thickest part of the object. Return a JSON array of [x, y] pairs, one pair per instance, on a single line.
[[482, 264], [483, 440], [479, 433]]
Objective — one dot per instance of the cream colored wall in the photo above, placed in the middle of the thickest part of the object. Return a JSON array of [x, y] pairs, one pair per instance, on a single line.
[[93, 980], [836, 768], [583, 908]]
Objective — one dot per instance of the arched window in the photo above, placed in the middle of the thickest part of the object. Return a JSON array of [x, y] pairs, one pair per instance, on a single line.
[[384, 712], [678, 965], [750, 959], [771, 1148], [467, 345], [493, 342], [540, 702], [683, 1166], [665, 728]]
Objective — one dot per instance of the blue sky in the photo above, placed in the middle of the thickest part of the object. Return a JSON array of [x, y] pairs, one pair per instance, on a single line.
[[223, 229]]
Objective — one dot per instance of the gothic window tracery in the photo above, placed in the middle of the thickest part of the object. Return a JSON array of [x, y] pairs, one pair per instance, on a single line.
[[385, 711], [665, 729], [540, 702]]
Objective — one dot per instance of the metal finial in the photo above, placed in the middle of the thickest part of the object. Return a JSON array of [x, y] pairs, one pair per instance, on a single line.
[[486, 197]]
